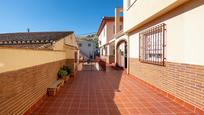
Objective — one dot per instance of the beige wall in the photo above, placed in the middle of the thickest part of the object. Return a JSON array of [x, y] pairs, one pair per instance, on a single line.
[[70, 39], [70, 53], [143, 11], [15, 59], [59, 45], [184, 34]]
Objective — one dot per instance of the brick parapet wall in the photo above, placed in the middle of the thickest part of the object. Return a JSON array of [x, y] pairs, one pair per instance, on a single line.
[[21, 89], [184, 81]]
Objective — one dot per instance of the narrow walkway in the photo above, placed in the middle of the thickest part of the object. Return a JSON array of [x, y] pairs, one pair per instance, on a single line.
[[108, 93]]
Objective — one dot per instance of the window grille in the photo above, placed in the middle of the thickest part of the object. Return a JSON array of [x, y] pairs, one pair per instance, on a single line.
[[152, 45]]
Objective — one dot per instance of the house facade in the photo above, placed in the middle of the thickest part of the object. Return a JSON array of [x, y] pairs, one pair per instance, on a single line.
[[161, 44], [105, 35], [165, 42], [87, 48]]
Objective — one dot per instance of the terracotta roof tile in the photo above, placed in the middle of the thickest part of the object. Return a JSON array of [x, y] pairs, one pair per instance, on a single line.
[[31, 39]]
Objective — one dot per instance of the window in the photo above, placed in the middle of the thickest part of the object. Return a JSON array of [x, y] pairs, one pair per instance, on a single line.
[[89, 44], [80, 45], [152, 45]]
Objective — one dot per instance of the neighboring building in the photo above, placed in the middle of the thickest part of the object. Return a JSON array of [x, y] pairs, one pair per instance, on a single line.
[[58, 41], [87, 49], [105, 35], [88, 46], [29, 64]]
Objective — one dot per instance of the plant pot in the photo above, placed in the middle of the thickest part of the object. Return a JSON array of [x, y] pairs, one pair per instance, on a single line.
[[66, 78], [62, 83]]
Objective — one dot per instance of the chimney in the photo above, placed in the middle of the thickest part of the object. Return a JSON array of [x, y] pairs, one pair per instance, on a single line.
[[117, 19]]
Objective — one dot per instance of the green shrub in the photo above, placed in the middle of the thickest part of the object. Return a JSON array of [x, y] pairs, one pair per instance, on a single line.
[[62, 73], [66, 68]]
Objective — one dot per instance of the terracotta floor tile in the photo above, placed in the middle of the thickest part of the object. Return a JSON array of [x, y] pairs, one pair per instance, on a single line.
[[103, 112], [108, 93], [123, 111], [83, 111], [93, 111], [72, 111], [154, 110], [133, 111], [114, 111]]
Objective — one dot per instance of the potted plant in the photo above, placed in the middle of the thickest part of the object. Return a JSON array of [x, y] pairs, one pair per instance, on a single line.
[[62, 74], [68, 70]]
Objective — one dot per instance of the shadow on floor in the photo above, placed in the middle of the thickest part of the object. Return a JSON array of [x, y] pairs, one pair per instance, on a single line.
[[107, 93]]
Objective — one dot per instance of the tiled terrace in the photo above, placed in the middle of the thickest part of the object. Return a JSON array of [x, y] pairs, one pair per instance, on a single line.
[[108, 93]]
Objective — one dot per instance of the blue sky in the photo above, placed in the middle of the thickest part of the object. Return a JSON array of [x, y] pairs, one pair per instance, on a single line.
[[81, 16]]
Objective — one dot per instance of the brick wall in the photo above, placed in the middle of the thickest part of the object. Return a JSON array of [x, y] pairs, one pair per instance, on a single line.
[[183, 81], [21, 89]]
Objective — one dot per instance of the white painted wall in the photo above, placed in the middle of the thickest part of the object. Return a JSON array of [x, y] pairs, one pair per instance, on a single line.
[[86, 49], [121, 58], [134, 46], [108, 49], [142, 10], [103, 36], [184, 35]]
